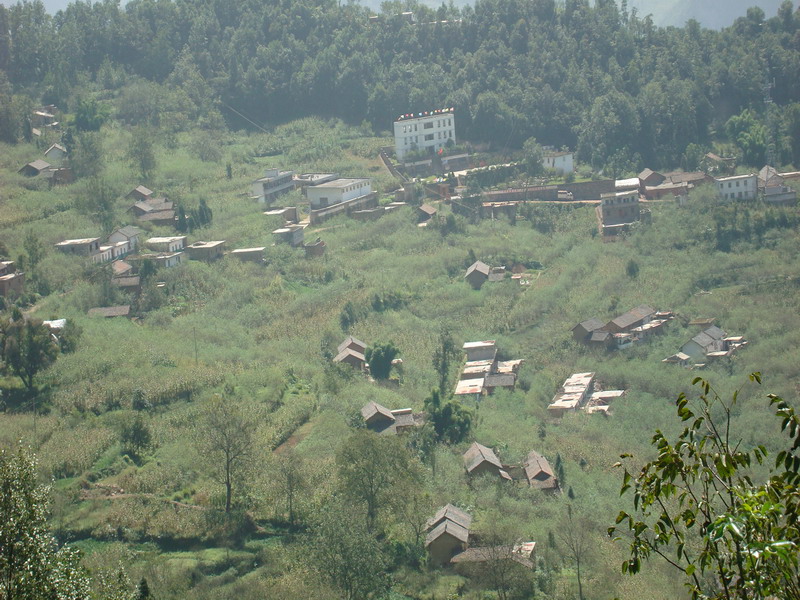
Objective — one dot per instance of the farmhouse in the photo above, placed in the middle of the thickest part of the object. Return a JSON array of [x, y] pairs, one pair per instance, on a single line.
[[479, 459], [382, 420], [539, 474], [32, 169], [351, 357], [56, 154], [477, 274], [129, 234], [633, 318], [448, 534], [140, 194], [713, 343]]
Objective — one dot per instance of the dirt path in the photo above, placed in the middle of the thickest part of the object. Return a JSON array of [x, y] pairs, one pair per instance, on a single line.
[[298, 436]]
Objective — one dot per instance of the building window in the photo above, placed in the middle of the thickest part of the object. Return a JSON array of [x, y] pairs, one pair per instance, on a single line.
[[428, 125], [737, 184], [428, 137]]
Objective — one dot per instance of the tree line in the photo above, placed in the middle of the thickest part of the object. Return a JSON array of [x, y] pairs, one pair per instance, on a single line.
[[590, 76]]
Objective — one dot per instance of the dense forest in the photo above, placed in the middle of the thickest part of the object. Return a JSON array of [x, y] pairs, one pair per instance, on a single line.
[[595, 78]]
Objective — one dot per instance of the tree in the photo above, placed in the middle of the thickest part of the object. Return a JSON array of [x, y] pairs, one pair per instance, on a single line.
[[289, 481], [444, 355], [86, 158], [573, 534], [28, 348], [372, 471], [533, 156], [96, 200], [34, 249], [32, 567], [225, 441], [499, 569], [380, 357], [143, 590], [697, 507], [632, 269], [135, 437], [451, 420], [347, 555], [141, 153], [90, 115]]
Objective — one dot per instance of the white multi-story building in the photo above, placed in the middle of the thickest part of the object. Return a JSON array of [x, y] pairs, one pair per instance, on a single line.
[[738, 187], [337, 191], [428, 131]]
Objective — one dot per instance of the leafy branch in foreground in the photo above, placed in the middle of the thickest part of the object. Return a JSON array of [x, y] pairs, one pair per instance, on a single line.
[[697, 507]]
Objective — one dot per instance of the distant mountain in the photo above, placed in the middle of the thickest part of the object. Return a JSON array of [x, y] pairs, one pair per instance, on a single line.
[[714, 14]]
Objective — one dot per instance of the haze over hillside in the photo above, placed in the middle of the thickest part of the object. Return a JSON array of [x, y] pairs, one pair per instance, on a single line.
[[711, 13], [714, 14]]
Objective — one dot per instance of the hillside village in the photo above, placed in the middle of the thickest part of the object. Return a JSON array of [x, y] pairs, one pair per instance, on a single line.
[[409, 352]]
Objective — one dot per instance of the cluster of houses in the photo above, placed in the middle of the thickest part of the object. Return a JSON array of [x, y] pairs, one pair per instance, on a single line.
[[54, 171], [579, 392], [535, 471], [710, 344], [448, 538], [148, 208], [483, 373], [327, 193], [620, 209], [630, 327]]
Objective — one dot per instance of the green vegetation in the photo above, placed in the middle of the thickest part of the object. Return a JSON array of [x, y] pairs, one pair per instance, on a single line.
[[209, 445], [731, 537]]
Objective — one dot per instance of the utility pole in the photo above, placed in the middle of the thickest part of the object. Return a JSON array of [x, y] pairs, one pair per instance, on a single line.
[[767, 89]]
